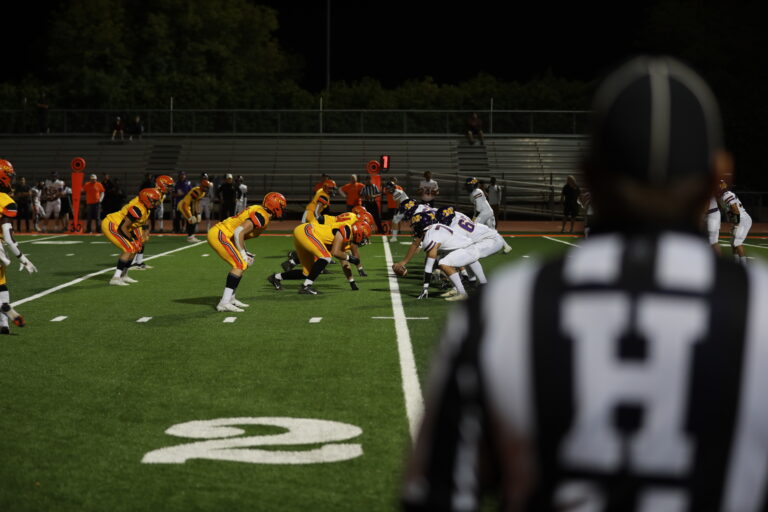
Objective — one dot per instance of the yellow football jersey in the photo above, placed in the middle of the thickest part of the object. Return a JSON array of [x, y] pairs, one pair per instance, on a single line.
[[256, 214], [7, 208], [346, 218], [326, 232], [135, 211], [193, 196], [321, 198]]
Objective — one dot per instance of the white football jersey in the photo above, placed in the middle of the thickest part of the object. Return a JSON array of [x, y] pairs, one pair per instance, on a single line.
[[448, 238], [399, 195], [480, 202], [729, 198], [472, 230]]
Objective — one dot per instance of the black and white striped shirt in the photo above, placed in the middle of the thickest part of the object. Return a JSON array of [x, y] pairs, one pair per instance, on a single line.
[[630, 375], [369, 192]]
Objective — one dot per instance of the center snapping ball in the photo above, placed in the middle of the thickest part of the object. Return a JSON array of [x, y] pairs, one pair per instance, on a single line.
[[400, 270]]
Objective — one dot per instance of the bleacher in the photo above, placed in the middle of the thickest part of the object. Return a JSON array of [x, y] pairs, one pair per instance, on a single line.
[[530, 168]]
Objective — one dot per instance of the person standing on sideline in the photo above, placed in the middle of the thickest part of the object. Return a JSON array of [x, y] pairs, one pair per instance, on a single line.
[[368, 194], [569, 196], [22, 196], [351, 192], [428, 190], [227, 193], [494, 197], [241, 194], [628, 374]]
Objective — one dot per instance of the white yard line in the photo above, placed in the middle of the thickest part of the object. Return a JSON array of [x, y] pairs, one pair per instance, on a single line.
[[753, 245], [88, 276], [414, 401], [38, 239], [561, 241]]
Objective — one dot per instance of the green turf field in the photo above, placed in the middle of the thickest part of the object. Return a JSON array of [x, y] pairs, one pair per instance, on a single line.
[[145, 398]]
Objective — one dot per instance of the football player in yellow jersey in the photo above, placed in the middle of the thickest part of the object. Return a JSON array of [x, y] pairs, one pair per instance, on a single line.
[[320, 201], [316, 244], [123, 229], [228, 238], [7, 212], [190, 209], [163, 184]]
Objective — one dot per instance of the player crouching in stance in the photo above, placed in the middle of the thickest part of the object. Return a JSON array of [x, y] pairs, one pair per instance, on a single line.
[[189, 207], [7, 212], [461, 251], [741, 220], [163, 184], [317, 243], [124, 229], [228, 240]]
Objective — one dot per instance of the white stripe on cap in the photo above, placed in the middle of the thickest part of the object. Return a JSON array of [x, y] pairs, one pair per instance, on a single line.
[[661, 117]]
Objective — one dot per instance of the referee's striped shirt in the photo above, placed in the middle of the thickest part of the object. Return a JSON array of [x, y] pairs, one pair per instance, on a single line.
[[369, 192]]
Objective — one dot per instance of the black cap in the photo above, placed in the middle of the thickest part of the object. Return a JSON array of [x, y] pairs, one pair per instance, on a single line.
[[656, 120]]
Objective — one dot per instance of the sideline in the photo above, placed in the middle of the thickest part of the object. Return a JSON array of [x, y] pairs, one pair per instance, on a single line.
[[88, 276], [414, 401], [560, 241]]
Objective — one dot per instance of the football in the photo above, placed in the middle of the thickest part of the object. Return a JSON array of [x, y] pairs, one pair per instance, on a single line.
[[400, 270]]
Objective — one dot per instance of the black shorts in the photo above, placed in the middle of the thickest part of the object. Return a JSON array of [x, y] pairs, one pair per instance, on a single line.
[[570, 209]]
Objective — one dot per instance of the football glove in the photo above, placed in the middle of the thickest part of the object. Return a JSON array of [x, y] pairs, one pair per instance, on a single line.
[[249, 257], [424, 294], [192, 219], [26, 264], [353, 260]]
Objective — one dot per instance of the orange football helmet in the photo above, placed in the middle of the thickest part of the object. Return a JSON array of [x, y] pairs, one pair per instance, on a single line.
[[164, 183], [361, 231], [205, 184], [149, 197], [367, 217], [329, 186], [275, 204], [359, 210], [6, 173]]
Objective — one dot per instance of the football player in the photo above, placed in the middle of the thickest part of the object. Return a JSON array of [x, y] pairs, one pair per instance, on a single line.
[[713, 221], [741, 220], [124, 229], [190, 209], [316, 244], [320, 201], [457, 248], [163, 184], [399, 195], [409, 208], [483, 211], [228, 240], [8, 211]]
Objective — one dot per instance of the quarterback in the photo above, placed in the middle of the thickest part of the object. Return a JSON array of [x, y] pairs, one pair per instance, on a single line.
[[7, 212]]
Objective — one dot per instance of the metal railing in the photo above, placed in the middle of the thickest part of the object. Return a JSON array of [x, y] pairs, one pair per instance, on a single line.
[[309, 121]]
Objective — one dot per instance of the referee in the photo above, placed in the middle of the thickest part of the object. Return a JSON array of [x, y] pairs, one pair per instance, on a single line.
[[629, 375], [368, 194]]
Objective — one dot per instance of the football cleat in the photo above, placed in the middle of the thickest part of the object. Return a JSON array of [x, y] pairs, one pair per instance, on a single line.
[[287, 265], [457, 297], [450, 293], [362, 272], [306, 289], [129, 280], [393, 239], [228, 308], [192, 239], [5, 330], [239, 304], [117, 281], [141, 266], [277, 283], [354, 287], [507, 249]]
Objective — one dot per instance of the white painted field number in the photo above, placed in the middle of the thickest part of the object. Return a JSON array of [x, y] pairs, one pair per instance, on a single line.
[[222, 444]]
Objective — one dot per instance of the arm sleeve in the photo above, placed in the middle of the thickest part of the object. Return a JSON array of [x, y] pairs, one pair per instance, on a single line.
[[9, 240]]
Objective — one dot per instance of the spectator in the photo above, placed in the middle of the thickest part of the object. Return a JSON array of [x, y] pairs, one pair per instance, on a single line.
[[351, 192], [42, 114], [118, 128], [94, 195], [369, 195], [22, 196], [494, 197], [428, 189], [227, 194], [242, 195], [475, 129], [136, 129], [570, 199], [148, 182], [180, 189]]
